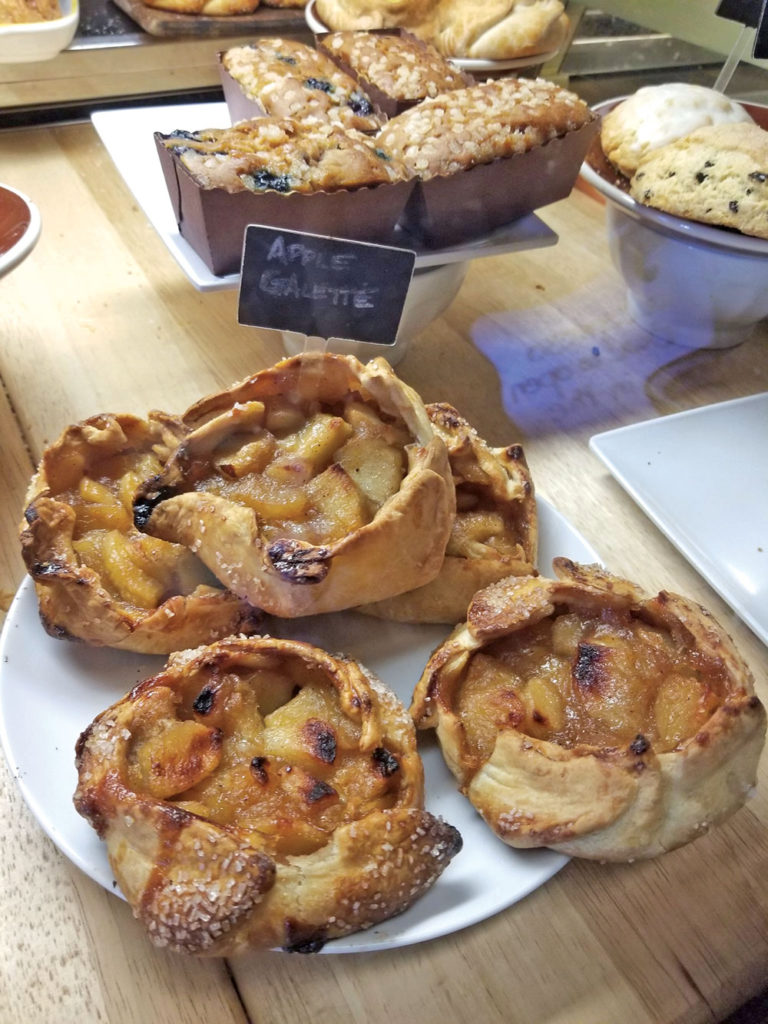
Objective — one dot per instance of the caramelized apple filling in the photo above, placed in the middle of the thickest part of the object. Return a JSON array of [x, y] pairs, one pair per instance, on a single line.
[[310, 474], [608, 680], [269, 750], [134, 568]]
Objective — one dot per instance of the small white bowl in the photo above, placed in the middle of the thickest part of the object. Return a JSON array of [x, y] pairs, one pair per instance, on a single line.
[[19, 228], [432, 290], [689, 283], [39, 40]]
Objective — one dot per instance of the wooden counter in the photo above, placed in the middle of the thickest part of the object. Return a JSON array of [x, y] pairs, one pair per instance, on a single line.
[[537, 348]]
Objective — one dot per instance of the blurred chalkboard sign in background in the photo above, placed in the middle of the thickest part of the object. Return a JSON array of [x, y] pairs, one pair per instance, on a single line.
[[753, 14]]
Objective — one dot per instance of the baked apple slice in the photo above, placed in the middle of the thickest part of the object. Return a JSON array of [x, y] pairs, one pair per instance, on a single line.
[[261, 793], [494, 534], [313, 486], [577, 713], [97, 578]]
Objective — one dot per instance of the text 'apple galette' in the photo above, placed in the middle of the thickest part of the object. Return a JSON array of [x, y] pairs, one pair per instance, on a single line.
[[577, 713], [315, 485], [494, 534], [261, 793], [97, 578]]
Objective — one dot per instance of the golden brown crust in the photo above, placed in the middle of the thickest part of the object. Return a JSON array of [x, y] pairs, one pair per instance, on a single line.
[[346, 543], [206, 8], [211, 871], [616, 799], [67, 528], [495, 532]]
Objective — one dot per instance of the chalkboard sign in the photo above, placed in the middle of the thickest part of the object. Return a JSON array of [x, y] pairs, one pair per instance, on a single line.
[[322, 286]]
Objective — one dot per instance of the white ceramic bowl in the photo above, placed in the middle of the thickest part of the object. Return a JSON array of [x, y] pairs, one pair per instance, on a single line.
[[39, 40], [19, 227], [432, 290], [689, 283]]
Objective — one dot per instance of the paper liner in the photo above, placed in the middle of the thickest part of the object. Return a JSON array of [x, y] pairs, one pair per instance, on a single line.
[[446, 210], [385, 104], [213, 221]]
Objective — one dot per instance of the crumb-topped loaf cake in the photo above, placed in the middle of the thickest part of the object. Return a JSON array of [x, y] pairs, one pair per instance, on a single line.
[[259, 793], [398, 64], [284, 156], [290, 79], [476, 125], [716, 175]]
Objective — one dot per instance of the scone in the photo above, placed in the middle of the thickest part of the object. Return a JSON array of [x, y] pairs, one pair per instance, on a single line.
[[579, 714], [96, 577], [260, 793], [494, 534], [716, 175], [656, 115], [286, 78], [316, 485]]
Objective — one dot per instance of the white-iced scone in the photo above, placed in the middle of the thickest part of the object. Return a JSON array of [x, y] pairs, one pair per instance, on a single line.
[[579, 714], [260, 793], [716, 175], [316, 485], [96, 577], [494, 534], [658, 114]]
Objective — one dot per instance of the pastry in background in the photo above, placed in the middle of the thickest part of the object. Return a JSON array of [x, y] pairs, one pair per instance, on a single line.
[[656, 115], [21, 12], [96, 577], [580, 714], [716, 175], [494, 534], [261, 793]]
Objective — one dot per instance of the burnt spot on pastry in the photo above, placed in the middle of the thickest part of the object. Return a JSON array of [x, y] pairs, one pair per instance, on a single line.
[[316, 790], [299, 939], [58, 632], [283, 57], [145, 505], [31, 514], [385, 762], [733, 206], [639, 744], [515, 452], [700, 176], [49, 570], [259, 766], [589, 667], [299, 562], [320, 739], [360, 104], [204, 701], [322, 84]]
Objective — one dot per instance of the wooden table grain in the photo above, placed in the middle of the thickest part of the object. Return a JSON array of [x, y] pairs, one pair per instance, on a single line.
[[537, 348]]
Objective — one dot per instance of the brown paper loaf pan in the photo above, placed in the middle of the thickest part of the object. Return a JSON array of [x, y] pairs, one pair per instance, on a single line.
[[447, 210], [213, 221], [385, 104]]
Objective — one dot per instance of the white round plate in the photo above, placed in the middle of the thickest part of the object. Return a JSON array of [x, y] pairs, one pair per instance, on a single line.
[[19, 227], [668, 224], [464, 63], [50, 690]]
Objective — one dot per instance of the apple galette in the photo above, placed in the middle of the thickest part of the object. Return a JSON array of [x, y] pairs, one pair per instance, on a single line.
[[315, 485], [261, 793], [495, 531], [577, 713], [97, 578]]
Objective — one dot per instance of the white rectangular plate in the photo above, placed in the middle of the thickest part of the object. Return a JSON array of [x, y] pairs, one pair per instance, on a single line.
[[702, 477], [128, 137]]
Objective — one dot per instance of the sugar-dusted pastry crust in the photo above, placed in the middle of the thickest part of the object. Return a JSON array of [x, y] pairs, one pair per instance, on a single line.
[[260, 793], [281, 155], [479, 124], [577, 713], [287, 78], [315, 485], [716, 175], [495, 533], [97, 578]]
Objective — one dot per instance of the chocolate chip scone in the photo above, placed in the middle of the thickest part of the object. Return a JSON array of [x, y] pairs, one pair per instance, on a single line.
[[716, 175]]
